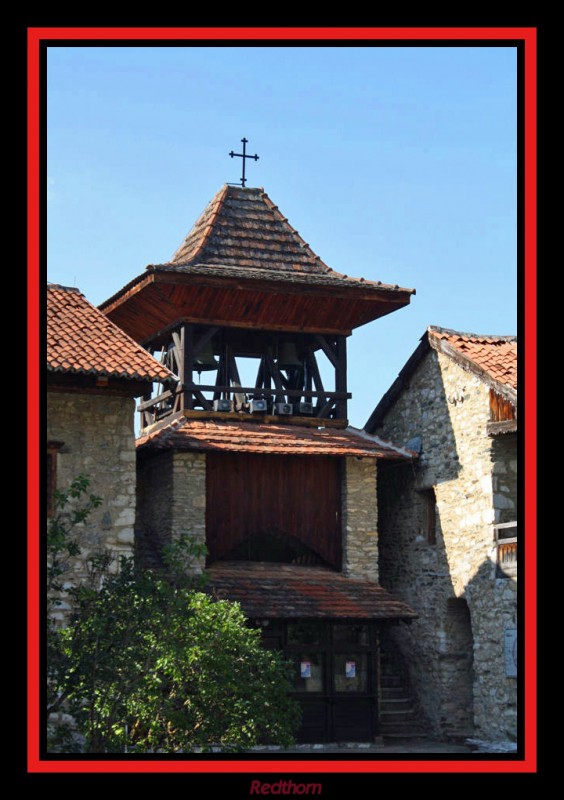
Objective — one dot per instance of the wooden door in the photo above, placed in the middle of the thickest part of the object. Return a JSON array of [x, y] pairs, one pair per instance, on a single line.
[[335, 678]]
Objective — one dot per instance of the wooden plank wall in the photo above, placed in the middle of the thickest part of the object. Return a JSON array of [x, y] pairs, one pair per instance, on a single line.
[[500, 408], [250, 494]]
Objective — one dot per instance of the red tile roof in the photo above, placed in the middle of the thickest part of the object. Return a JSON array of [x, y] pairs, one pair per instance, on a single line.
[[493, 358], [255, 437], [269, 590], [82, 340], [496, 355]]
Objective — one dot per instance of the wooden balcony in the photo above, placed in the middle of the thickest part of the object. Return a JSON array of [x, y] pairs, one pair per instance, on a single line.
[[506, 545]]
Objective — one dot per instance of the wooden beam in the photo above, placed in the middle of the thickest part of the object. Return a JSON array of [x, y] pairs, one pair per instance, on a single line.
[[153, 401], [221, 378], [260, 374], [303, 422], [206, 405], [276, 377], [326, 409], [162, 423], [227, 323], [233, 369], [314, 370], [327, 349], [268, 392], [308, 377], [187, 362]]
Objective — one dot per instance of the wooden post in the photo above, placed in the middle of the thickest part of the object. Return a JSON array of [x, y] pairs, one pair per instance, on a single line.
[[276, 377], [187, 365], [341, 375], [221, 375], [259, 383], [313, 370]]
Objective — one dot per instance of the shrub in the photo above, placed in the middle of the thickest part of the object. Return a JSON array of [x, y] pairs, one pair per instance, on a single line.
[[149, 662]]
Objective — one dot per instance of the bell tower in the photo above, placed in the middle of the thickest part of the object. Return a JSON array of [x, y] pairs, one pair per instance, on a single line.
[[250, 451], [245, 288]]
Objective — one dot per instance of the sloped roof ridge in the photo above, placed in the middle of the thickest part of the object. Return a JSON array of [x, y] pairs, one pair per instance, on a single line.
[[274, 208], [218, 201], [372, 437], [66, 353], [467, 335], [60, 287]]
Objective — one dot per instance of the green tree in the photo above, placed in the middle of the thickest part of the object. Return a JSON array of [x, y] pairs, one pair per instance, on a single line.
[[149, 662]]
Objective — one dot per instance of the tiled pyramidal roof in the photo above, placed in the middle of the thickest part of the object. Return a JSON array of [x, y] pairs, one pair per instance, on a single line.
[[243, 228], [243, 232], [243, 264], [82, 340], [496, 355]]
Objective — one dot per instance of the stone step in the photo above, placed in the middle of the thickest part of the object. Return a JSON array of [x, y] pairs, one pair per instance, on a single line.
[[392, 692], [390, 672], [390, 681], [400, 725], [399, 719], [396, 717], [395, 702], [405, 735]]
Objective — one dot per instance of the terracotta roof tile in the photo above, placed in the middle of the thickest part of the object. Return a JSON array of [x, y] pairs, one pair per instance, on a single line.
[[285, 590], [496, 355], [255, 437], [493, 358], [82, 340]]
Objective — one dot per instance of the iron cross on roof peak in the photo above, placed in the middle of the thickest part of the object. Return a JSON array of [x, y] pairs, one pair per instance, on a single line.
[[243, 155]]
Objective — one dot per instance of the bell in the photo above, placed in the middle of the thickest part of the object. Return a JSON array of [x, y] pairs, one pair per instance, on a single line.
[[205, 360], [288, 356]]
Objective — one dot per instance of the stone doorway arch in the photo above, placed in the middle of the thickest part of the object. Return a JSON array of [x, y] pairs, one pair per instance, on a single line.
[[458, 670]]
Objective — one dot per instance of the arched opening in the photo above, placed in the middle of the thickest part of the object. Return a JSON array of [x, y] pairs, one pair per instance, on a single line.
[[457, 670], [274, 546]]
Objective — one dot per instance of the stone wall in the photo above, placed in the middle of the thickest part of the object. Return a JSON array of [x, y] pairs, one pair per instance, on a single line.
[[189, 499], [153, 523], [360, 518], [171, 502], [448, 407], [98, 441]]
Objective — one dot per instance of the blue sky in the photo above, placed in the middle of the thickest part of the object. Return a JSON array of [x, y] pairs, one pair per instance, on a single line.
[[394, 163]]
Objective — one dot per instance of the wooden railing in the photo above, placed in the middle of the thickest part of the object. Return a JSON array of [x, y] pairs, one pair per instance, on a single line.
[[324, 403]]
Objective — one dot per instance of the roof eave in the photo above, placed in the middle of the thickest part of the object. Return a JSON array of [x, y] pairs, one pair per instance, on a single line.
[[442, 346], [376, 418]]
